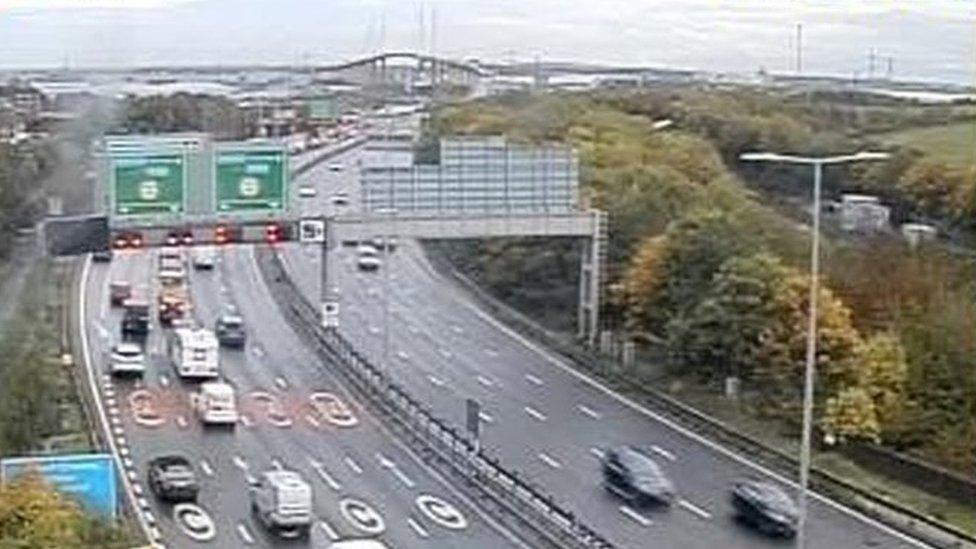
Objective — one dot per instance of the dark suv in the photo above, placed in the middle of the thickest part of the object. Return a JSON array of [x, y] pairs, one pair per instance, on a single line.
[[635, 477], [230, 331], [171, 478], [765, 506]]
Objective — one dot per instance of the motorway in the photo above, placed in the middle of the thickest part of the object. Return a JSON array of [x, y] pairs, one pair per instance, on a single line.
[[540, 416], [341, 463]]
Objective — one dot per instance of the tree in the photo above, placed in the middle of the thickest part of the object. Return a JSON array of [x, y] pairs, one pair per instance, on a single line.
[[35, 516]]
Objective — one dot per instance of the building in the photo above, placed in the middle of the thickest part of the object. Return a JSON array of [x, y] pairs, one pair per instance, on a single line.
[[481, 175], [863, 213]]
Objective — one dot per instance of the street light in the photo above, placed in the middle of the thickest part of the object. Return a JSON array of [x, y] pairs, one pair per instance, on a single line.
[[818, 164]]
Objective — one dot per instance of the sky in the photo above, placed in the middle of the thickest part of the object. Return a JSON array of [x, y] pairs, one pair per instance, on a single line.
[[931, 40]]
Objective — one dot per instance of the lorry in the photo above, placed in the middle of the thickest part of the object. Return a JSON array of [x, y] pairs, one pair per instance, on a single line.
[[281, 501], [216, 404], [193, 353]]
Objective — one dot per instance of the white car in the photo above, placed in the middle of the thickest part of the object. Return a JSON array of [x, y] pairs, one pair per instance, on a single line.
[[127, 358], [204, 257], [307, 192], [335, 167], [358, 544]]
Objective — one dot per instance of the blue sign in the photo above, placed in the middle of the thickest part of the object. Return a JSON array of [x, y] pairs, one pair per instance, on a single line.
[[89, 478]]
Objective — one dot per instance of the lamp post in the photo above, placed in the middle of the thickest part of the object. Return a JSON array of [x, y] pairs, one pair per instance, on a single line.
[[809, 373]]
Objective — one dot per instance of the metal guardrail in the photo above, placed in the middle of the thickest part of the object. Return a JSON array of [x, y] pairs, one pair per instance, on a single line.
[[515, 495], [326, 153], [884, 510]]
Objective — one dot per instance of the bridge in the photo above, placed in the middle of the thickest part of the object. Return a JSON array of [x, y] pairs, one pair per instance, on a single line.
[[404, 67]]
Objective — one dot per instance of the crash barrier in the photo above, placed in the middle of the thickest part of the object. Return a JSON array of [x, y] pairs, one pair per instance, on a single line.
[[926, 528], [515, 496]]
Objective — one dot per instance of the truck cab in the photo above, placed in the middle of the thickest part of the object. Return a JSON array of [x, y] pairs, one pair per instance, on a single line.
[[282, 502], [216, 404]]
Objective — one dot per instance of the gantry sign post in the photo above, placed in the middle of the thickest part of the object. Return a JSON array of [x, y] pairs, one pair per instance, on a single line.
[[248, 177]]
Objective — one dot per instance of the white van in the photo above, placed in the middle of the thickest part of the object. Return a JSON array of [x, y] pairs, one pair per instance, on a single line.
[[194, 352], [217, 404], [282, 502]]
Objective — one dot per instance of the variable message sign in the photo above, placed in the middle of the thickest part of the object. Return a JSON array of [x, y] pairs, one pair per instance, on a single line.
[[150, 183], [89, 478], [250, 180]]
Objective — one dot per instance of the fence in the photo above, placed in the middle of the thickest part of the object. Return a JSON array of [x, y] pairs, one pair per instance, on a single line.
[[515, 496]]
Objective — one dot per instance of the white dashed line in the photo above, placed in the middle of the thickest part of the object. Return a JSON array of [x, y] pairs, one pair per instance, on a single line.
[[535, 413], [534, 380], [589, 412], [329, 530], [181, 421], [245, 534], [403, 355], [694, 509], [549, 460], [277, 464], [663, 453], [164, 380], [353, 465], [281, 383], [206, 468], [436, 381], [491, 352], [486, 418], [420, 530], [485, 381], [246, 420], [311, 419], [445, 353], [326, 477], [258, 351], [240, 463], [639, 518], [597, 452]]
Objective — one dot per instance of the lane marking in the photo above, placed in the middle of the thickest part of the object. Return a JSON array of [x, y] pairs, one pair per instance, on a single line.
[[164, 380], [246, 420], [240, 463], [391, 465], [182, 422], [491, 352], [326, 477], [353, 465], [311, 419], [485, 381], [535, 413], [694, 509], [688, 433], [639, 518], [663, 453], [597, 452], [329, 530], [436, 381], [277, 464], [445, 353], [423, 533], [534, 380], [486, 418], [281, 383], [589, 412], [549, 460], [206, 468], [245, 533], [403, 355]]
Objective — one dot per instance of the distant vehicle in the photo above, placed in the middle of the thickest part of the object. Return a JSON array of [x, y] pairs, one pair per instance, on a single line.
[[635, 477], [118, 292], [230, 331], [172, 304], [216, 404], [369, 259], [380, 243], [102, 256], [135, 318], [172, 478], [282, 502], [307, 191], [340, 198], [335, 167], [127, 359], [204, 257], [171, 271], [170, 252], [178, 238], [765, 506], [127, 240], [194, 353]]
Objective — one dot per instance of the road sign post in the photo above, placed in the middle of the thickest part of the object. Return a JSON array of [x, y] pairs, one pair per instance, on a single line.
[[330, 314], [311, 231], [473, 422], [248, 179]]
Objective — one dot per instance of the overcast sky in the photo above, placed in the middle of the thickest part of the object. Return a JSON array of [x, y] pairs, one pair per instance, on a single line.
[[928, 39]]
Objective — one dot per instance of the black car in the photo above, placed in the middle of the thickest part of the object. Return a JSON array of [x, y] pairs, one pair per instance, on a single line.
[[172, 478], [102, 256], [635, 477], [230, 331], [765, 506]]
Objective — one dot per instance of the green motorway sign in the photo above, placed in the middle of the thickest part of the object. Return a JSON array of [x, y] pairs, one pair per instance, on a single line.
[[148, 184], [250, 180]]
